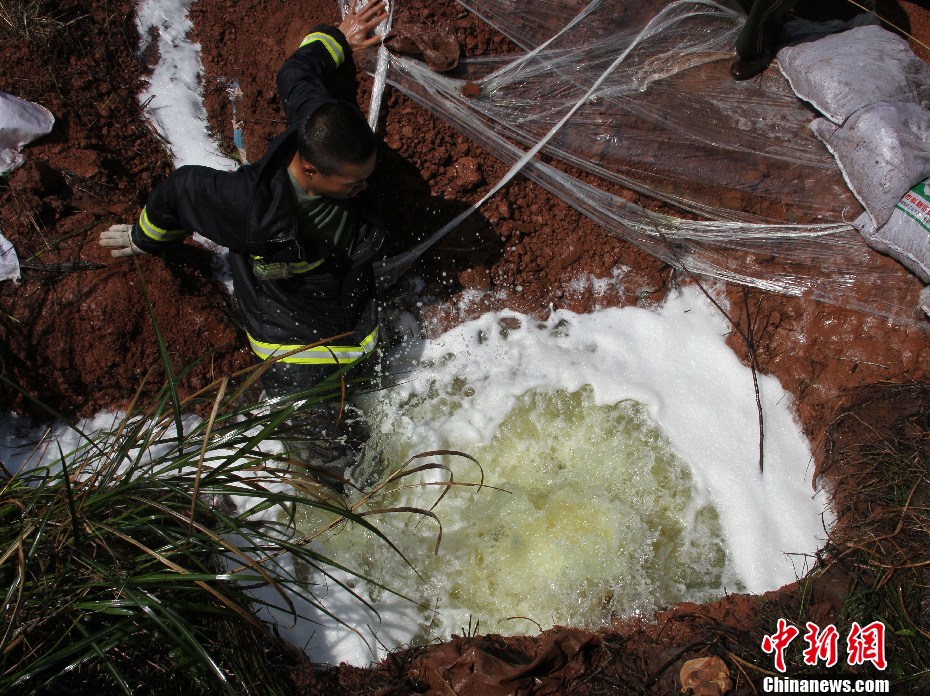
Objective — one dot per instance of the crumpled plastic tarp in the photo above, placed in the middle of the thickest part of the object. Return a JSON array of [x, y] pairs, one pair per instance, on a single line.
[[437, 46], [21, 122], [705, 676], [381, 63], [652, 108]]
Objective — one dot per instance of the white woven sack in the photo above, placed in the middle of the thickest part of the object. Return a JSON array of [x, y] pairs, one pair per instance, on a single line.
[[9, 262], [21, 122], [882, 151], [906, 235], [845, 72]]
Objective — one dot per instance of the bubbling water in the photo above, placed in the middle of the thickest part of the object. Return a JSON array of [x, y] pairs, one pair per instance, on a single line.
[[621, 458], [587, 513]]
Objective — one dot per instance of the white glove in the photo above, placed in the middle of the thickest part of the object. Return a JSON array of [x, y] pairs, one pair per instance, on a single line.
[[119, 239]]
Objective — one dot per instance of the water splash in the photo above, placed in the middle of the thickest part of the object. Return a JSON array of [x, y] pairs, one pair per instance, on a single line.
[[627, 442], [588, 514]]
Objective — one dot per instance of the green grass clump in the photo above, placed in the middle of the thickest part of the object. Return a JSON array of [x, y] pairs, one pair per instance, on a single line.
[[883, 541], [125, 563], [876, 564]]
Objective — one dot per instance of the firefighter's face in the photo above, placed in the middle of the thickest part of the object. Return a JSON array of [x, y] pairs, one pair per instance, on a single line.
[[347, 181]]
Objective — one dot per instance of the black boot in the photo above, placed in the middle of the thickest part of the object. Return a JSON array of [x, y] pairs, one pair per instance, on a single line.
[[747, 68], [327, 442]]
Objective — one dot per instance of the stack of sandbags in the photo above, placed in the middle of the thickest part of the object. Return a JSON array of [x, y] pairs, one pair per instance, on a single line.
[[874, 93]]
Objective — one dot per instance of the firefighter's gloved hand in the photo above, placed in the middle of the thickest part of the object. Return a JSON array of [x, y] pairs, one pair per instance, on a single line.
[[118, 238], [358, 24]]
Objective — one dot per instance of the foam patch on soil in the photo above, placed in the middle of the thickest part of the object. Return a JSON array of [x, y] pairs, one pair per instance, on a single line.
[[173, 98]]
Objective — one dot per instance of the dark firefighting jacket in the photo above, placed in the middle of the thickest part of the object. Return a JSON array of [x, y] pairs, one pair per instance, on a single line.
[[328, 291]]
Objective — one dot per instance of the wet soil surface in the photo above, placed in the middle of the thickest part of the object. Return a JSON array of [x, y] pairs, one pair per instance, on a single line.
[[76, 333]]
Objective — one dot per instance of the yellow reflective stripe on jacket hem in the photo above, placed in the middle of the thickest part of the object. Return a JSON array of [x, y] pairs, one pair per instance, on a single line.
[[154, 231], [335, 50], [317, 355]]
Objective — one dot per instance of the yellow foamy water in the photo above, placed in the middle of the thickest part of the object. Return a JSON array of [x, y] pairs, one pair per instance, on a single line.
[[587, 513]]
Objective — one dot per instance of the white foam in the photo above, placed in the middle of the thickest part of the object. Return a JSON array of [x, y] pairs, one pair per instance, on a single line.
[[24, 446], [676, 362], [173, 98]]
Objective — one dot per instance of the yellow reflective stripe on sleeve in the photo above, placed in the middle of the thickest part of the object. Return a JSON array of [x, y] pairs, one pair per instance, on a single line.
[[335, 50], [316, 355], [154, 231]]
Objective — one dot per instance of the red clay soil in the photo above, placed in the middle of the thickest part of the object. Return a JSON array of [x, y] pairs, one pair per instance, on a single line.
[[82, 340], [76, 332]]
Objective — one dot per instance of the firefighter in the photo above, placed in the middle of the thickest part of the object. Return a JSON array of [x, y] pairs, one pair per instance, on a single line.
[[303, 227], [302, 224]]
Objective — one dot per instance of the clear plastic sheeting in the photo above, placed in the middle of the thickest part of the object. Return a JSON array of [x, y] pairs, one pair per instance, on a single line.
[[641, 98], [383, 57], [668, 111]]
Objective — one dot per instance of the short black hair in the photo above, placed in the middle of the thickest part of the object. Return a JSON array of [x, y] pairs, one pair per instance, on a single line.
[[336, 133]]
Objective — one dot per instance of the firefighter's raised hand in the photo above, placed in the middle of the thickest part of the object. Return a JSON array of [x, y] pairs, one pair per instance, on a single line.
[[118, 239], [358, 24]]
